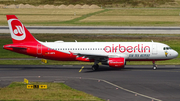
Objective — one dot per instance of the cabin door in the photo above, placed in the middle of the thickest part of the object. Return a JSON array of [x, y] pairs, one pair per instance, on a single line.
[[154, 49]]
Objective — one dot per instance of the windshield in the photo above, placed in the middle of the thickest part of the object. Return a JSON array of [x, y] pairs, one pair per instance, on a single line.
[[166, 48]]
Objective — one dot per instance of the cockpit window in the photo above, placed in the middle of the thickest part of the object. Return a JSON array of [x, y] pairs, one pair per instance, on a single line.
[[166, 48]]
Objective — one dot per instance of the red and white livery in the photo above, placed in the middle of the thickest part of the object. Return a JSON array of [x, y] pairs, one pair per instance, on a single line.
[[114, 54]]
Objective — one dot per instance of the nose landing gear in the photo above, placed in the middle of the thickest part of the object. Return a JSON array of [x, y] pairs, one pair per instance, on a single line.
[[154, 65]]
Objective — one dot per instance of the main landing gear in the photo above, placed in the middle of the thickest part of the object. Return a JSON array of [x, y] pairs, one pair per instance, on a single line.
[[95, 66], [154, 65]]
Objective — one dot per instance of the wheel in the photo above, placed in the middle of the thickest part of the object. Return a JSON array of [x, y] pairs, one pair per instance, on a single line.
[[154, 67], [95, 67]]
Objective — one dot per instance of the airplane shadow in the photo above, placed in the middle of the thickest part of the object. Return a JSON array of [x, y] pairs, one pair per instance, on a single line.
[[150, 68], [141, 68], [102, 69], [87, 69]]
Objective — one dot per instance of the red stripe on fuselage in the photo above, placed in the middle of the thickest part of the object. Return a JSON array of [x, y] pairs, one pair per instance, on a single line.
[[48, 53], [45, 52]]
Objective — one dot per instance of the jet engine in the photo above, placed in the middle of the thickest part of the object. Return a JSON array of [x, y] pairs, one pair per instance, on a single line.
[[116, 62]]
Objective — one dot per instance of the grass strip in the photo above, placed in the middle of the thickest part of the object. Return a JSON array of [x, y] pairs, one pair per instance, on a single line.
[[74, 21], [95, 17], [47, 16], [54, 91], [104, 3]]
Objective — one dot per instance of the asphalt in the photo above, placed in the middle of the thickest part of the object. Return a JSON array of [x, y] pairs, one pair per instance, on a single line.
[[99, 29], [133, 83]]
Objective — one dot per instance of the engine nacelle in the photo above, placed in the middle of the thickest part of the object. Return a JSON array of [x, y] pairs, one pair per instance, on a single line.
[[116, 62]]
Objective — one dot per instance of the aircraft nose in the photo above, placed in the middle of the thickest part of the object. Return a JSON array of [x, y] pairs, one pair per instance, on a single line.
[[175, 54]]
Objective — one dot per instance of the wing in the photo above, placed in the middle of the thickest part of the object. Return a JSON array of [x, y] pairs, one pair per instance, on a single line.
[[91, 56], [100, 57]]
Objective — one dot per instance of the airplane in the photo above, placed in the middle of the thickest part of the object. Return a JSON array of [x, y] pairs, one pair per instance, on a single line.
[[114, 54]]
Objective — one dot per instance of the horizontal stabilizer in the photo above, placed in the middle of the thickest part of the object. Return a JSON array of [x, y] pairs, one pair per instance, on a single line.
[[13, 47]]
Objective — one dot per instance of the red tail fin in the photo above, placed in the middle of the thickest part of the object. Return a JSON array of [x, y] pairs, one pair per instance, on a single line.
[[18, 31]]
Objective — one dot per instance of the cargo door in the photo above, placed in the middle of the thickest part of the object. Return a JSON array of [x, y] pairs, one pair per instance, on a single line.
[[154, 49]]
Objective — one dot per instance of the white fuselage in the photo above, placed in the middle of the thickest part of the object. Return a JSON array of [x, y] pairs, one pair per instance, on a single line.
[[128, 50]]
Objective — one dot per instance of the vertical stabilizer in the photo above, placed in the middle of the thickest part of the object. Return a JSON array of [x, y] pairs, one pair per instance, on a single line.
[[18, 31]]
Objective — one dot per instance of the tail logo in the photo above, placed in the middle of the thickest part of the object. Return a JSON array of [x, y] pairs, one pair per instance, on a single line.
[[16, 29]]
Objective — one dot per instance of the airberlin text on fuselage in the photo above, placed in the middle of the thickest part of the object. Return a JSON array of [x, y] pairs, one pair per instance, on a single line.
[[139, 48]]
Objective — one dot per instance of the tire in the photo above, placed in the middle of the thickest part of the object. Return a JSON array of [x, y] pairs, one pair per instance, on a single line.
[[154, 68], [95, 67]]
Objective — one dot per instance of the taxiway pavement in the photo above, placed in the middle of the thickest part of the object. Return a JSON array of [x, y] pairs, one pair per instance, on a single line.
[[133, 83], [98, 29]]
